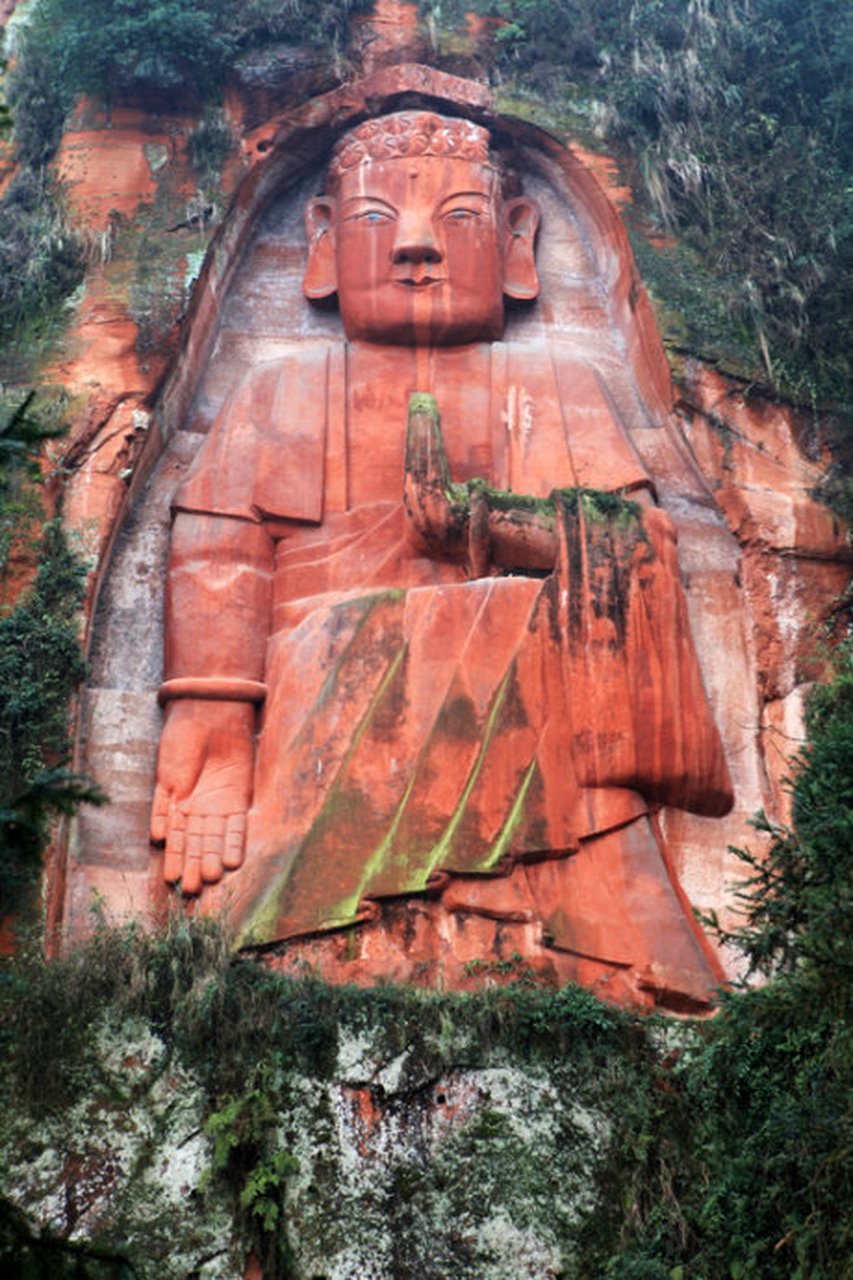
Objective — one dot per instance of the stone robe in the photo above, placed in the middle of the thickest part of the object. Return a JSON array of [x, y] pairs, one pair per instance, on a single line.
[[420, 726]]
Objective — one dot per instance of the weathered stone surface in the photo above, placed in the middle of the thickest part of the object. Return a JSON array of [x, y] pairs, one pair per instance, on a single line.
[[389, 34], [763, 467], [119, 716], [435, 1156], [121, 1164], [764, 464]]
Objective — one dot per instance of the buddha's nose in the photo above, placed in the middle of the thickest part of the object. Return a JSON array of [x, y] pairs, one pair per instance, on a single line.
[[415, 241]]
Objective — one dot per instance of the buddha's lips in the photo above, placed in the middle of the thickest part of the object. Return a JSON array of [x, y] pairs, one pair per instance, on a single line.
[[419, 282]]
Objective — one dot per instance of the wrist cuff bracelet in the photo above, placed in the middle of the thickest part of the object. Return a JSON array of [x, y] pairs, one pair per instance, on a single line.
[[212, 689]]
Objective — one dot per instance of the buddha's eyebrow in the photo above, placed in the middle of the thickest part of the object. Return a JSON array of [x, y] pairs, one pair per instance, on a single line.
[[483, 196], [367, 199]]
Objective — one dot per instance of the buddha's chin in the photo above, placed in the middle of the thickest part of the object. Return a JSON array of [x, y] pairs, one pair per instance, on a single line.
[[419, 327], [418, 314]]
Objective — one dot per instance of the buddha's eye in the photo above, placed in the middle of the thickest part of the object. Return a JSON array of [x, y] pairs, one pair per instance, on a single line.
[[461, 215], [372, 216]]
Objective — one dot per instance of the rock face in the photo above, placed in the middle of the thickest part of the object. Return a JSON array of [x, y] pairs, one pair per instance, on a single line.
[[415, 1144], [652, 652], [391, 1139]]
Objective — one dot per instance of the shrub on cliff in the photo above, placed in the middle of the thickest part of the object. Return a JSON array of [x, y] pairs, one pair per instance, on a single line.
[[41, 662], [101, 47], [37, 102], [41, 259], [40, 666], [767, 1101]]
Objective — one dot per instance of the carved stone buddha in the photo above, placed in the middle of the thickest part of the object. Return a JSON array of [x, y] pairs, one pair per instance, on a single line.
[[425, 634]]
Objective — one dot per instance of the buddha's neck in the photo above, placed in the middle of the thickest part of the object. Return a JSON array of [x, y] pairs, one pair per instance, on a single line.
[[425, 368]]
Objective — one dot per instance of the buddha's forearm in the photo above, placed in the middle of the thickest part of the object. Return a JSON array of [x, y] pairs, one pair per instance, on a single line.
[[217, 601]]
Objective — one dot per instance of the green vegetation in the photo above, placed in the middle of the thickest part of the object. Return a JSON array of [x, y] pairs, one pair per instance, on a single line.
[[41, 258], [40, 666], [209, 144], [173, 48], [40, 661], [37, 107], [724, 1146], [599, 504]]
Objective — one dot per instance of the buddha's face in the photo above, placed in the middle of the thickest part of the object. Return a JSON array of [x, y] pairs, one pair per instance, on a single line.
[[417, 250]]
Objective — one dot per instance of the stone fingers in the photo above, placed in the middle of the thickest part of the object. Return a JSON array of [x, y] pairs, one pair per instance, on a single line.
[[160, 814], [212, 848], [200, 846], [235, 839], [191, 880], [175, 837], [222, 842]]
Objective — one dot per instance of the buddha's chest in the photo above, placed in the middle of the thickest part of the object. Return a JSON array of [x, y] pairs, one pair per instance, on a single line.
[[366, 434]]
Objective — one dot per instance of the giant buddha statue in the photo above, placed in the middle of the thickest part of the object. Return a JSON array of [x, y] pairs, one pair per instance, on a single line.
[[425, 635]]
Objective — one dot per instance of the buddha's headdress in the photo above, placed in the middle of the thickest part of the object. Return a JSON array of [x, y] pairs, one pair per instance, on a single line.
[[406, 134]]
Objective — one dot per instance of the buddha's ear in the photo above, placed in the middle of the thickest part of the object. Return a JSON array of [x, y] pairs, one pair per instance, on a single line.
[[321, 273], [520, 224]]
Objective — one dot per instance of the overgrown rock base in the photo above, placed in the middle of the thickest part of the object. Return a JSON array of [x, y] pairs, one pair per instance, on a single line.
[[198, 1116]]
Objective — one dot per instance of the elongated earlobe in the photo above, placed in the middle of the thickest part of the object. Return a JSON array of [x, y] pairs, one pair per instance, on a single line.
[[321, 273], [521, 223]]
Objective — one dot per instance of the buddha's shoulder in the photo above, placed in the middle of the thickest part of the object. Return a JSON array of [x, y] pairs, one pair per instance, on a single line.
[[308, 364], [303, 370], [545, 351]]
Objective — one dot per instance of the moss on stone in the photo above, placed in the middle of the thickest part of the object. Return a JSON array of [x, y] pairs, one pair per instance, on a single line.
[[601, 505]]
